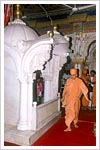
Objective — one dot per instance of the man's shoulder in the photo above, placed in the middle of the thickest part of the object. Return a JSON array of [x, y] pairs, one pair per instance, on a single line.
[[79, 79], [68, 79]]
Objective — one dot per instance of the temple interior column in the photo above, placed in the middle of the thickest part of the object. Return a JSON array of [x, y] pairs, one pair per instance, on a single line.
[[29, 101], [47, 88], [22, 124]]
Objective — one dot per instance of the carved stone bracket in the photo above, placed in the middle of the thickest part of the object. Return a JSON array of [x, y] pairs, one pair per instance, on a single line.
[[35, 58]]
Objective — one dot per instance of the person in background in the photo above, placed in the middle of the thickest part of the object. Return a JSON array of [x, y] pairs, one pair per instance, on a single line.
[[73, 90], [64, 78], [84, 76], [39, 90], [93, 82]]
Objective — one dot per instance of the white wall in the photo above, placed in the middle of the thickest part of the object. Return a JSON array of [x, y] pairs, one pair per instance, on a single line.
[[11, 92]]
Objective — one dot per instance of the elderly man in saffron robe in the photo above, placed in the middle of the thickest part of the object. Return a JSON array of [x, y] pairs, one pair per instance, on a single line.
[[72, 92]]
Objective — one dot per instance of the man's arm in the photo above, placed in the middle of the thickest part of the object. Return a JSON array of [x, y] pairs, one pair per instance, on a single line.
[[84, 90]]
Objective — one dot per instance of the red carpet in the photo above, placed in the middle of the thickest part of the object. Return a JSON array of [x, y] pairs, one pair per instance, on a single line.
[[82, 136]]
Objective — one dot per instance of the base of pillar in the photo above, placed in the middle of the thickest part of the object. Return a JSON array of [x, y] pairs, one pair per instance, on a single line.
[[26, 138], [24, 126]]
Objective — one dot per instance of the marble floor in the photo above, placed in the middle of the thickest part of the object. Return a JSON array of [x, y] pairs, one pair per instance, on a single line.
[[25, 138]]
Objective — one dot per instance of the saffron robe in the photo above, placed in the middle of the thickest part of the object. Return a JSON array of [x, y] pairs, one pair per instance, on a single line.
[[85, 103], [94, 92], [71, 99]]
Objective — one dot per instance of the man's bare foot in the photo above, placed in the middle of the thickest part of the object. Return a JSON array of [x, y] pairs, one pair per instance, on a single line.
[[68, 129], [75, 125]]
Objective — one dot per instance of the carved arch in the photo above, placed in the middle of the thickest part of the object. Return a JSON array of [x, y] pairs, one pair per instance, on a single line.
[[90, 50], [35, 57], [87, 43], [91, 57]]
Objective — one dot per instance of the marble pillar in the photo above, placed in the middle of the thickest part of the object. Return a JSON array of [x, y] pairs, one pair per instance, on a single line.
[[47, 88]]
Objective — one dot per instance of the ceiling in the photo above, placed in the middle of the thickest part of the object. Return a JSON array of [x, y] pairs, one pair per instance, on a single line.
[[42, 12]]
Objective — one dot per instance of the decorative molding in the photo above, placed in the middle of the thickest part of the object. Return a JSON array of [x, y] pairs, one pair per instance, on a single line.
[[17, 21]]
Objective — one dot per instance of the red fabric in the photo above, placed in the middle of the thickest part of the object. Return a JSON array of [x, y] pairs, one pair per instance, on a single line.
[[39, 89], [6, 13], [82, 136], [94, 92], [10, 144]]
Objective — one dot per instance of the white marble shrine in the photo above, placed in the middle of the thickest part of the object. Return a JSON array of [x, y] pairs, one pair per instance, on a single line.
[[24, 53]]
